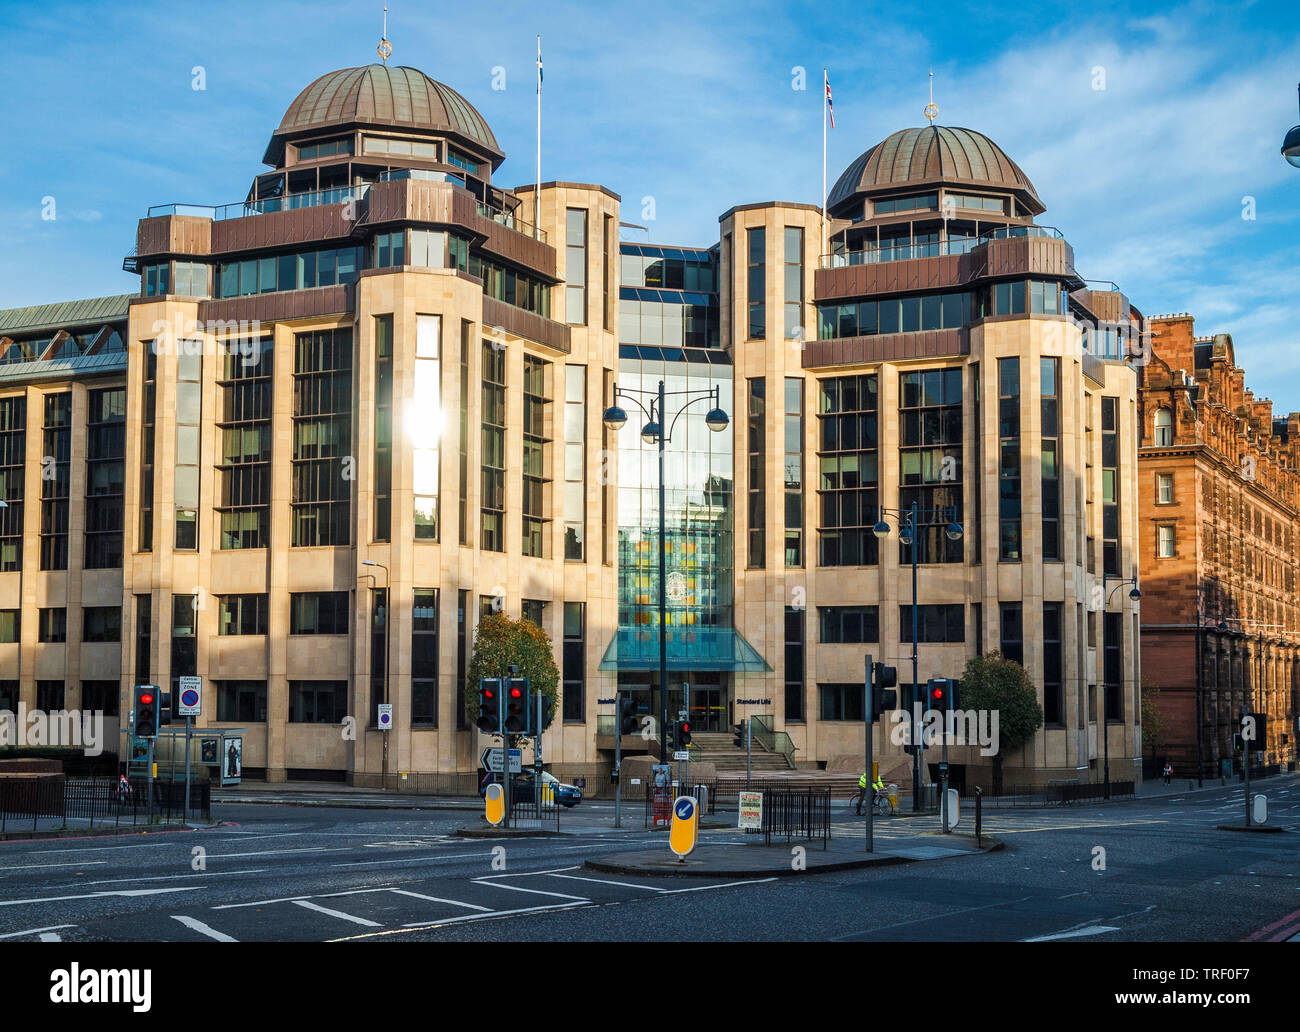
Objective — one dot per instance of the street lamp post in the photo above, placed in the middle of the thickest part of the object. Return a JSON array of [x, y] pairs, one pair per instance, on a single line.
[[1135, 594], [908, 529], [1291, 143], [654, 432], [388, 613]]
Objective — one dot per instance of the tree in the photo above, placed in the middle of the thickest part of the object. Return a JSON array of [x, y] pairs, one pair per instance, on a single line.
[[500, 643], [1153, 721], [996, 684]]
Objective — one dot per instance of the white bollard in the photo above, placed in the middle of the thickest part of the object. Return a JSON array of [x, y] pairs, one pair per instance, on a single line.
[[1259, 808], [954, 808]]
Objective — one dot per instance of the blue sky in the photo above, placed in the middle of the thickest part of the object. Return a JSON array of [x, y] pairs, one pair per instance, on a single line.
[[692, 106]]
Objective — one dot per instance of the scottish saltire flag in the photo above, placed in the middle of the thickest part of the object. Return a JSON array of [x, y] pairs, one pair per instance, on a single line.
[[830, 108], [539, 62]]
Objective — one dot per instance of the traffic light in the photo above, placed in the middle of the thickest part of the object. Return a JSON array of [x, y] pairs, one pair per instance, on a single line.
[[626, 714], [682, 738], [489, 701], [548, 711], [739, 740], [518, 706], [884, 697], [1238, 744], [938, 694], [165, 705], [145, 711]]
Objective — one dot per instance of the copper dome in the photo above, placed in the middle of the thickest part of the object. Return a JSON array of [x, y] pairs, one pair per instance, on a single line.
[[385, 95], [933, 154]]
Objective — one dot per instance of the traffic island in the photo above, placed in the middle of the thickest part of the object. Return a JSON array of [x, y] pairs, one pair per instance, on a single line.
[[745, 860]]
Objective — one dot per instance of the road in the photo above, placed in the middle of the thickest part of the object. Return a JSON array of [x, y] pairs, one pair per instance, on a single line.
[[1145, 870]]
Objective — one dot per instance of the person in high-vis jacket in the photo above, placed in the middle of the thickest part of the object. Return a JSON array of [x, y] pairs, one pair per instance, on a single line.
[[877, 787]]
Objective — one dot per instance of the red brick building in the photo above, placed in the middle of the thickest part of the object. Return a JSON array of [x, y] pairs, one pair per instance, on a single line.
[[1219, 496]]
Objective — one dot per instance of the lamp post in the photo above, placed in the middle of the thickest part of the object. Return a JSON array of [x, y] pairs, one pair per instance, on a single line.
[[1135, 595], [654, 432], [907, 532], [387, 622]]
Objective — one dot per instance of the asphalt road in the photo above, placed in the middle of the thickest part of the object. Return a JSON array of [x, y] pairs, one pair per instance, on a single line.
[[1144, 870]]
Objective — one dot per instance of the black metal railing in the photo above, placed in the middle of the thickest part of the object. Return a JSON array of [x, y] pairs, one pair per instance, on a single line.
[[98, 802], [803, 814]]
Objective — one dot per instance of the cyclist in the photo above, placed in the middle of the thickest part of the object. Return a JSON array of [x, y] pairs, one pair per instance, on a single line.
[[877, 788]]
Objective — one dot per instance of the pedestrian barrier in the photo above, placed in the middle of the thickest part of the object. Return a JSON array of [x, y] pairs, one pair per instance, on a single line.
[[99, 802], [803, 814]]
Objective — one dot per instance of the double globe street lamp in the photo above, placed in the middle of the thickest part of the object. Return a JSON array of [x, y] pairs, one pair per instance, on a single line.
[[652, 405], [1291, 143], [907, 533]]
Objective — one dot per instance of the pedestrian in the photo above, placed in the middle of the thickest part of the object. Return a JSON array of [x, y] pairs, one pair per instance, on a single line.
[[1168, 771]]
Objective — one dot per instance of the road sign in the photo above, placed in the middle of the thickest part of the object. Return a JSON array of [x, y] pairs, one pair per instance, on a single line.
[[385, 716], [685, 827], [495, 803], [491, 760], [682, 754], [191, 695], [751, 811]]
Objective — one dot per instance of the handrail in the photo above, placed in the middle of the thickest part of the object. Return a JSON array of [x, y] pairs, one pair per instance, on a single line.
[[896, 252], [772, 741]]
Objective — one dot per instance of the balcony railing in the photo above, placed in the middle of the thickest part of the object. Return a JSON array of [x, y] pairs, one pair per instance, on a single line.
[[510, 220], [899, 252]]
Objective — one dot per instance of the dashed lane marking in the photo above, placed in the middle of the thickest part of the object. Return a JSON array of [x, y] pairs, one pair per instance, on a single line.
[[440, 899], [337, 913], [35, 931], [535, 892], [195, 924]]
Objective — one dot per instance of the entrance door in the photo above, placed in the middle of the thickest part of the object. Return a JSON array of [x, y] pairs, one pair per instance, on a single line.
[[707, 709]]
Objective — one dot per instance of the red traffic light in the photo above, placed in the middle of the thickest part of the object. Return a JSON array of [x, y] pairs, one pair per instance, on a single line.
[[488, 693], [146, 699], [937, 693], [515, 693], [686, 727]]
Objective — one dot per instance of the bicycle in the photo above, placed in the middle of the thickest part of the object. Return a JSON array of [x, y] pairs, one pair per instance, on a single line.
[[883, 807]]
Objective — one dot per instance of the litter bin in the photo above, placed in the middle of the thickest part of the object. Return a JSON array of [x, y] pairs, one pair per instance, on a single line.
[[891, 790]]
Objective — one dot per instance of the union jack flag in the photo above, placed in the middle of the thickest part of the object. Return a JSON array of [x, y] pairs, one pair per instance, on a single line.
[[830, 108]]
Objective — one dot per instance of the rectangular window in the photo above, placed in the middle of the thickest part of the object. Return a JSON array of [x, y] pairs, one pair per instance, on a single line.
[[1164, 488], [930, 461], [426, 426], [378, 651], [322, 438], [185, 643], [464, 628], [851, 625], [575, 662], [319, 612], [607, 260], [606, 442], [53, 625], [317, 702], [101, 623], [242, 614], [492, 499], [841, 701], [9, 696], [794, 441], [757, 438], [1012, 639], [244, 423], [1110, 551], [390, 249], [1112, 665], [935, 624], [575, 266], [1009, 459], [1053, 683], [536, 456], [100, 697], [54, 481], [105, 471], [795, 647], [148, 406], [185, 470], [466, 335], [793, 283], [1050, 373], [756, 249], [241, 701], [143, 638], [13, 456], [10, 625], [1165, 538], [424, 658], [848, 481], [383, 427], [49, 695], [575, 462]]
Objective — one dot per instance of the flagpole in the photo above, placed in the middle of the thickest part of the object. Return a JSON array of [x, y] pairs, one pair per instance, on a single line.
[[537, 197], [825, 87]]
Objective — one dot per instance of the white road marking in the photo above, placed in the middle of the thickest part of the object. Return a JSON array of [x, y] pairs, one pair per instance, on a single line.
[[95, 895], [439, 899], [270, 852], [202, 929], [529, 874], [50, 937], [177, 877], [336, 913], [606, 881], [34, 931], [723, 885], [1077, 933], [494, 913], [535, 892], [29, 867], [408, 860], [294, 899]]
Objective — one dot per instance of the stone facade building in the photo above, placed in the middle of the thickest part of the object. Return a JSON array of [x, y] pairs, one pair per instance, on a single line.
[[1219, 499]]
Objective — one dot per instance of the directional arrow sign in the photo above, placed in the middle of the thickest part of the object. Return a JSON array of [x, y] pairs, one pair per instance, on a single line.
[[491, 760]]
